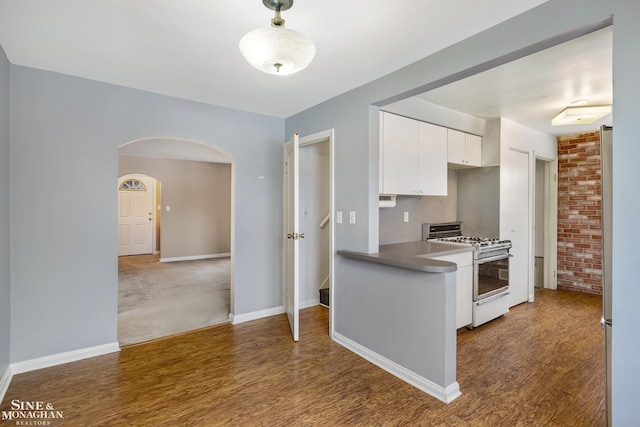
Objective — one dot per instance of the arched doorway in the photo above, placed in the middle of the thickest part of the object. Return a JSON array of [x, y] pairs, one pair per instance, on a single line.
[[186, 283]]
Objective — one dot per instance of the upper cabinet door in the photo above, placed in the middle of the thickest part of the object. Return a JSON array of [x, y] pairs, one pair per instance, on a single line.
[[464, 149], [473, 145], [413, 157], [432, 172], [456, 150], [399, 160]]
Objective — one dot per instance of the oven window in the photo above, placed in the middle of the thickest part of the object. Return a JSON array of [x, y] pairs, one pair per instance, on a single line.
[[492, 277]]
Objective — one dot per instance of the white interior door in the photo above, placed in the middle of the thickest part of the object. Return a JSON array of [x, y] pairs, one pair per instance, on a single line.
[[292, 235], [135, 215], [518, 224]]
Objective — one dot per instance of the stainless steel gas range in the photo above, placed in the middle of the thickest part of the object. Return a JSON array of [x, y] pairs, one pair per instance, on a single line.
[[490, 268]]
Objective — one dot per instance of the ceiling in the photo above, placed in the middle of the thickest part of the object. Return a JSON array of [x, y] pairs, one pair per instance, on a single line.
[[532, 90], [189, 49]]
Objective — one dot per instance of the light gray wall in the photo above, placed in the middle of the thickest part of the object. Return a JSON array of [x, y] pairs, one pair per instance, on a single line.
[[356, 145], [5, 283], [403, 315], [64, 157], [479, 201], [199, 194]]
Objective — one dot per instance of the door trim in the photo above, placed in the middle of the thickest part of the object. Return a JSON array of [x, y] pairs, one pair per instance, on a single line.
[[551, 225]]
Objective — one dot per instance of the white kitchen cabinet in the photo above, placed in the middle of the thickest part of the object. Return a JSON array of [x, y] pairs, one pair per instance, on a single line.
[[398, 154], [432, 163], [463, 149], [413, 157], [464, 286]]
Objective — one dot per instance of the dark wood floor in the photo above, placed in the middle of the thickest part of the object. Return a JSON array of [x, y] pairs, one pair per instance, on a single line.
[[540, 365]]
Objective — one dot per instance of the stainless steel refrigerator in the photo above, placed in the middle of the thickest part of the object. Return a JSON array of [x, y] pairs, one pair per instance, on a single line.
[[606, 140]]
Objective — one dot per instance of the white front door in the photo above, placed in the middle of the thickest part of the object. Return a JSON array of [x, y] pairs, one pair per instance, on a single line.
[[292, 235], [135, 215]]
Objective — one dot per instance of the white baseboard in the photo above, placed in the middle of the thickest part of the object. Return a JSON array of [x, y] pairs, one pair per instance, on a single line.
[[61, 358], [194, 257], [5, 381], [274, 311], [254, 315], [446, 395], [309, 303]]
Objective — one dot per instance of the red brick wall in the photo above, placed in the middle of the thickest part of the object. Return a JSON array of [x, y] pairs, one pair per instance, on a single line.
[[579, 213]]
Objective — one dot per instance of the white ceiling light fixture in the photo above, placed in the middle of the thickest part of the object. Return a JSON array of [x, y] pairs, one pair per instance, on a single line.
[[580, 114], [277, 50]]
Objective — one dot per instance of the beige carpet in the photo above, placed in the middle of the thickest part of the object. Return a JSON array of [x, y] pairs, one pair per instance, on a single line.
[[160, 299]]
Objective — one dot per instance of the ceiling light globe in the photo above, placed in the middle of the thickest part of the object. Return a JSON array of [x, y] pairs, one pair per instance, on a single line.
[[278, 51]]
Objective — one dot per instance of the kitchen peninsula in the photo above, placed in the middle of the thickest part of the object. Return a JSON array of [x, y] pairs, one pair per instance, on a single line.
[[397, 309]]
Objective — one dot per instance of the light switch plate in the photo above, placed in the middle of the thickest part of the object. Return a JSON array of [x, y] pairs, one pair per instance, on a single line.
[[406, 217], [339, 217], [352, 217]]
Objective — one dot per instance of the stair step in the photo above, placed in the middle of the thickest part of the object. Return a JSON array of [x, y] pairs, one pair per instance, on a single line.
[[324, 297]]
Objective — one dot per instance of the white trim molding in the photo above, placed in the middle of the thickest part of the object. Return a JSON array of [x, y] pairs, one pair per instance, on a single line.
[[255, 315], [61, 358], [446, 395], [309, 303], [195, 257], [5, 381]]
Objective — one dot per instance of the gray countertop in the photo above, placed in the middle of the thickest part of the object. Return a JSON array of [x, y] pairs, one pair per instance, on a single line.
[[413, 255]]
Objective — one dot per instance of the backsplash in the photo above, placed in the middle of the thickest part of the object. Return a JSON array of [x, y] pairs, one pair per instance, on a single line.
[[473, 198], [479, 201], [421, 209]]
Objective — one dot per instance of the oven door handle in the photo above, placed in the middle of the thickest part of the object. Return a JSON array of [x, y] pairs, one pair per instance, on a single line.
[[492, 298], [493, 258]]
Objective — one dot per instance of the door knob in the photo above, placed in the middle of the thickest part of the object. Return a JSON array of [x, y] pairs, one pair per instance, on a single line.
[[302, 235], [289, 236]]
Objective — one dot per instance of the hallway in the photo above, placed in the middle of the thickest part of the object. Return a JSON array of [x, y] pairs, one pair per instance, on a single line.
[[160, 299]]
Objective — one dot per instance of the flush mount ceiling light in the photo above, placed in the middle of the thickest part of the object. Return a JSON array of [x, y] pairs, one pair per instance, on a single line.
[[580, 115], [277, 50]]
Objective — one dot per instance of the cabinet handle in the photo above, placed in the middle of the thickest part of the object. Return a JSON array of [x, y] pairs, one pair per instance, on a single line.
[[492, 298]]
